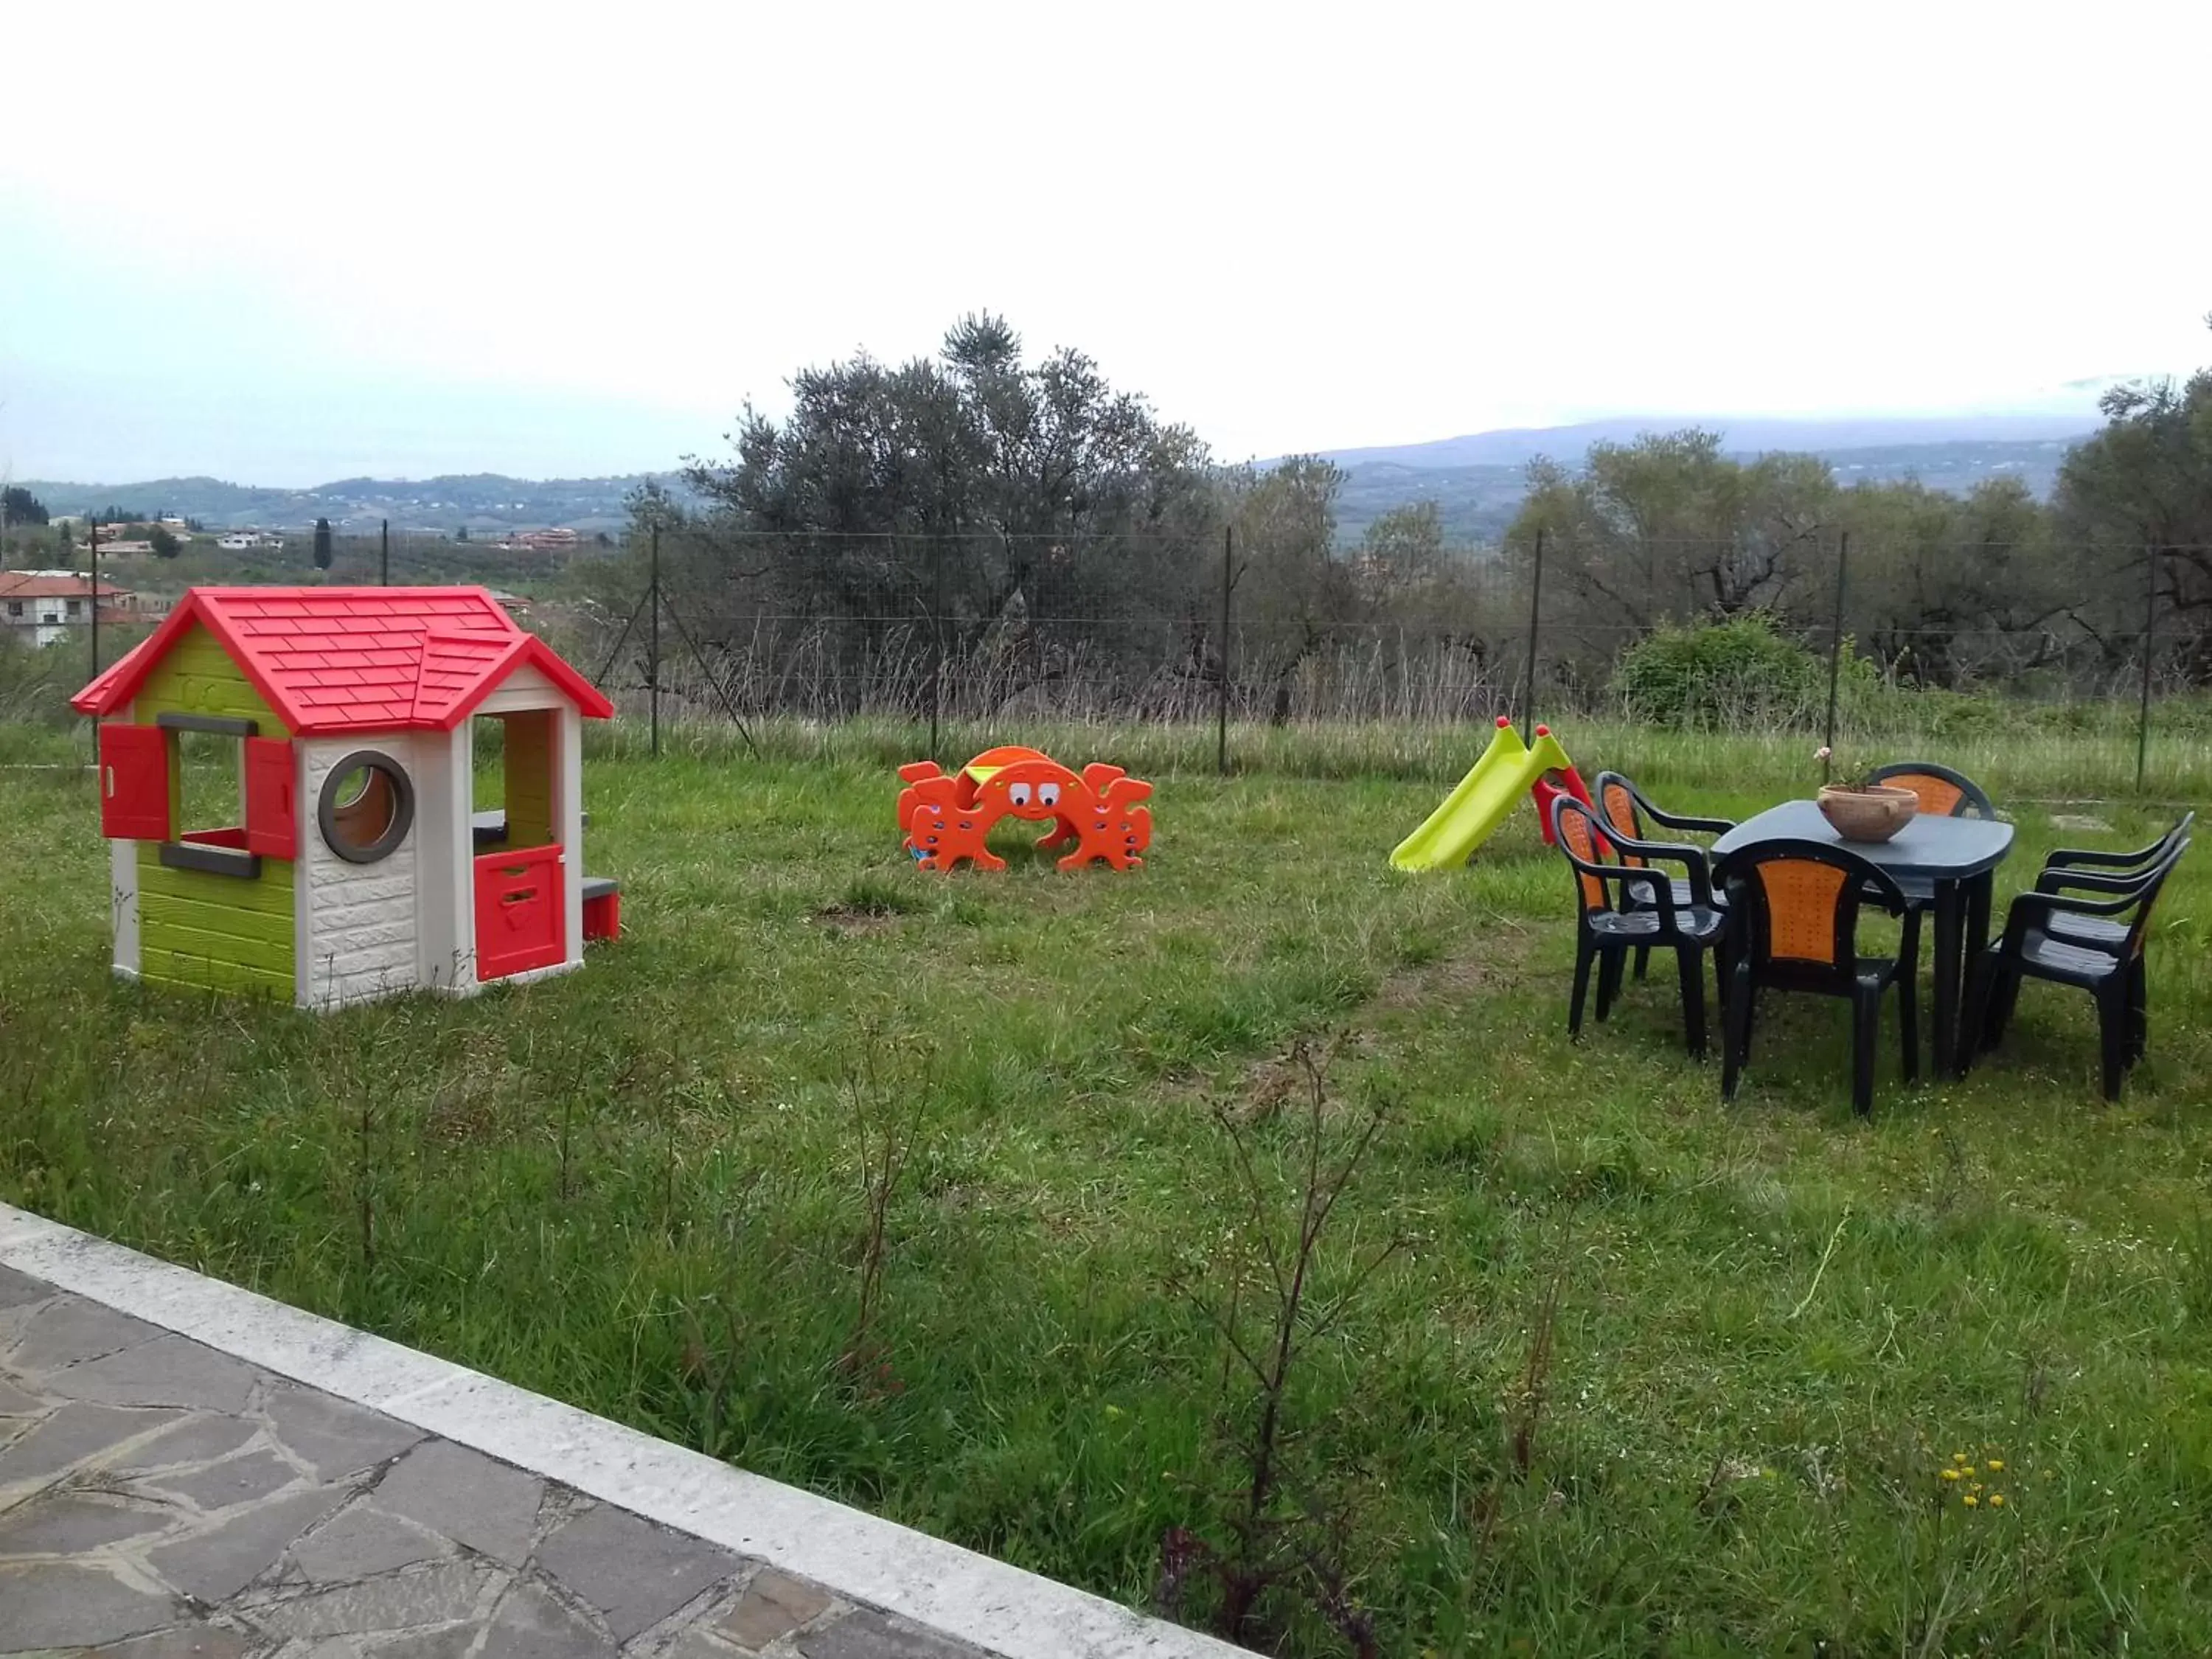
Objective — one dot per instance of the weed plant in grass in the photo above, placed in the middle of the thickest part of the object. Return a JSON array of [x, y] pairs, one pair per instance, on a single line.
[[944, 1284]]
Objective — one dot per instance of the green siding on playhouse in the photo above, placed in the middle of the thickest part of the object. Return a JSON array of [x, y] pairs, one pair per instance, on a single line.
[[197, 928]]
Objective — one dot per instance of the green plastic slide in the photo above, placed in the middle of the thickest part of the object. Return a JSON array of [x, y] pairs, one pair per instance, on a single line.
[[1506, 772]]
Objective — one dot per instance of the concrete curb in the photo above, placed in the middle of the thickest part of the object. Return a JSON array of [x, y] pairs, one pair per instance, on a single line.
[[1010, 1611]]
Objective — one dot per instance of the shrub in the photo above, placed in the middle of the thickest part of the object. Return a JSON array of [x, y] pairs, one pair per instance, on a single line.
[[37, 681], [1741, 671]]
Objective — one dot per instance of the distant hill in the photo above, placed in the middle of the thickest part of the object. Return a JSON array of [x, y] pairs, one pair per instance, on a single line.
[[1475, 502], [1478, 502], [1477, 481], [487, 504], [1517, 445]]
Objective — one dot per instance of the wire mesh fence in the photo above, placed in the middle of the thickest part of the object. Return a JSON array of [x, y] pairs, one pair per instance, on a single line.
[[1225, 627], [994, 630]]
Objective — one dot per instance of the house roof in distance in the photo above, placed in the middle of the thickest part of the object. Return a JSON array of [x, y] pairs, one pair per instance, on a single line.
[[53, 584], [334, 659]]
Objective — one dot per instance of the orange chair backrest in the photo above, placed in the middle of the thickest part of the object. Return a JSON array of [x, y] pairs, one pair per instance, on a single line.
[[1575, 832], [1800, 909], [1620, 812], [1939, 797]]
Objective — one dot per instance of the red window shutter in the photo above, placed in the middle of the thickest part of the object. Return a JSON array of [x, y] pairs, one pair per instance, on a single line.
[[134, 783], [272, 818]]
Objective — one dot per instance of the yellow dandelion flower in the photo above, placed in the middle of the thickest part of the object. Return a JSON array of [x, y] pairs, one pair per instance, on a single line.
[[1969, 1500], [1996, 1463], [1950, 1474], [1997, 1500], [1958, 1457]]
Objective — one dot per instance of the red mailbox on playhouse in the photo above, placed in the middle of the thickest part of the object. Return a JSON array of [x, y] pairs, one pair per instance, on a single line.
[[352, 861]]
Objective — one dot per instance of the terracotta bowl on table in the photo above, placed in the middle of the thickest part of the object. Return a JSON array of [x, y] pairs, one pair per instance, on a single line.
[[1867, 812]]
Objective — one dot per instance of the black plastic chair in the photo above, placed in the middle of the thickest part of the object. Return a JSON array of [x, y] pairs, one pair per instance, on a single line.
[[2078, 870], [2115, 979], [1943, 794], [1794, 915], [1623, 807], [1609, 926]]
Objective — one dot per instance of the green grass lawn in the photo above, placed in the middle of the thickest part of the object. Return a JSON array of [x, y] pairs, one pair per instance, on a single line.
[[643, 1189]]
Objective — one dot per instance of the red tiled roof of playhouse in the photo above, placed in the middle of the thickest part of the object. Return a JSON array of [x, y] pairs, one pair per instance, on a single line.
[[355, 659]]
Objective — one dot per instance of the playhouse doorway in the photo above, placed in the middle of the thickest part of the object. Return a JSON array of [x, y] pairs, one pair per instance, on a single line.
[[521, 920]]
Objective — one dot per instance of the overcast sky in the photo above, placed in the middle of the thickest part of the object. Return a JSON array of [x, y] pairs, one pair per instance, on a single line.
[[287, 244]]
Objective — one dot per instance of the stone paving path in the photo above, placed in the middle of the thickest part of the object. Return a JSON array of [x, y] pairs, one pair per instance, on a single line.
[[162, 1500]]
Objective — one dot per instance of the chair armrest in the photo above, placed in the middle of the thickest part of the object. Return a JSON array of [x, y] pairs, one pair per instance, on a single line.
[[1652, 882], [1680, 852], [2083, 881], [1692, 859], [1687, 821], [2035, 910], [2046, 904], [2064, 857]]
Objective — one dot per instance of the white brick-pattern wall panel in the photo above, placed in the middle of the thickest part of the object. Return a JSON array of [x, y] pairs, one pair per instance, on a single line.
[[363, 929], [123, 886], [445, 852], [123, 903]]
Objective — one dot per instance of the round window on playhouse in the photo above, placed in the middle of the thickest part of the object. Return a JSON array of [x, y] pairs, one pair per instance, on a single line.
[[366, 807]]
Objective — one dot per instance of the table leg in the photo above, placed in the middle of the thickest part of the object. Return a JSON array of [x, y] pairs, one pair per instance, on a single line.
[[1979, 892], [1946, 978]]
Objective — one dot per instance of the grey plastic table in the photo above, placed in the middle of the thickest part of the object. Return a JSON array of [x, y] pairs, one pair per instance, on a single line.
[[1956, 857]]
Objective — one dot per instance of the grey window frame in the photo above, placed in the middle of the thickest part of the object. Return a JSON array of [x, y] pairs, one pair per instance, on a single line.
[[403, 808]]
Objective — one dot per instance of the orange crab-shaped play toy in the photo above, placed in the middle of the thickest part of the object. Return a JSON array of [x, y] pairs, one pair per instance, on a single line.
[[946, 818]]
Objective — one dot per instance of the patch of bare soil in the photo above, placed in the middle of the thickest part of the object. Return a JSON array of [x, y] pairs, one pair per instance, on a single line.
[[1498, 959]]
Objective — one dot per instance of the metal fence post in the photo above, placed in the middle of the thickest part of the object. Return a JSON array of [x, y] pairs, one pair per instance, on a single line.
[[937, 639], [1835, 658], [652, 666], [95, 599], [1529, 669], [2150, 646], [1221, 693]]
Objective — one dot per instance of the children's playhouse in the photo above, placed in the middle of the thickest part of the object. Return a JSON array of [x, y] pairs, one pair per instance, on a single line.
[[354, 862]]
